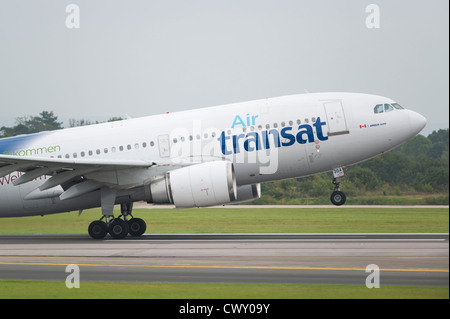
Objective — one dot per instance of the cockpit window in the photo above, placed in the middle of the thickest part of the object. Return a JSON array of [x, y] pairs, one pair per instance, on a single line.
[[398, 106], [382, 108], [388, 108], [378, 109]]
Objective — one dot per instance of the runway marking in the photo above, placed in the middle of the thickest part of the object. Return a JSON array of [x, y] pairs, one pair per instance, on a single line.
[[227, 267]]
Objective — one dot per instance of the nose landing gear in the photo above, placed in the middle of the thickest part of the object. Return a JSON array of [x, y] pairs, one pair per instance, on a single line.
[[338, 197]]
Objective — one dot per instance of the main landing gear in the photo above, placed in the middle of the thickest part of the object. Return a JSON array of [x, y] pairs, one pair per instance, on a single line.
[[118, 228], [338, 198]]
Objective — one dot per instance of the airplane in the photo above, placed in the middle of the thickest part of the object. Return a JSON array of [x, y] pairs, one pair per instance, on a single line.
[[203, 157]]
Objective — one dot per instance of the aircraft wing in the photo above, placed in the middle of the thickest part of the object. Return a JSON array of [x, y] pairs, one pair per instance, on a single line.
[[80, 176]]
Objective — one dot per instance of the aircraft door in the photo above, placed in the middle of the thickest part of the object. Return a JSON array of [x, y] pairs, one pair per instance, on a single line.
[[164, 145], [336, 118]]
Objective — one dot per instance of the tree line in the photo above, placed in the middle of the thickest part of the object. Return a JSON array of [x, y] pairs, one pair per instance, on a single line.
[[46, 121]]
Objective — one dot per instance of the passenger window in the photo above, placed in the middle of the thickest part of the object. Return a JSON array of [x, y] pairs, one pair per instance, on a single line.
[[388, 108], [378, 109]]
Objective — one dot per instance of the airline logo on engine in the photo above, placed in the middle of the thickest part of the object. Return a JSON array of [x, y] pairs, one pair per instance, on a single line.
[[270, 138]]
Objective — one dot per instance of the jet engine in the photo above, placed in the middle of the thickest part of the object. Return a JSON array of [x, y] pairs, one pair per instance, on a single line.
[[199, 185]]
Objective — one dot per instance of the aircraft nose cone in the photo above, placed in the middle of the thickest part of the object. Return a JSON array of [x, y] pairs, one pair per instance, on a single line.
[[417, 121]]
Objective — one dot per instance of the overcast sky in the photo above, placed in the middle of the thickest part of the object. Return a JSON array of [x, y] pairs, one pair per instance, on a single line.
[[148, 57]]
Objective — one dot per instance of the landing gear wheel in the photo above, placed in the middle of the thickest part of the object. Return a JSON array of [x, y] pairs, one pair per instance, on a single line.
[[98, 229], [137, 227], [118, 229], [338, 198]]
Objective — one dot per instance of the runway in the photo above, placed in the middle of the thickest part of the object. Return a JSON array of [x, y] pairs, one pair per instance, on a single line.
[[403, 259]]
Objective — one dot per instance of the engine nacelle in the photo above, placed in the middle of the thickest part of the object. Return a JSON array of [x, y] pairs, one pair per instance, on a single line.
[[247, 193], [200, 185]]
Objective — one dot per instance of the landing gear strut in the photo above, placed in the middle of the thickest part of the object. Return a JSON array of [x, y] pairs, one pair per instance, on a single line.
[[118, 228], [338, 198], [136, 226]]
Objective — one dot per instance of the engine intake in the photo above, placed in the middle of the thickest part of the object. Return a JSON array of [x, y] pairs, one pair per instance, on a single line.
[[247, 193]]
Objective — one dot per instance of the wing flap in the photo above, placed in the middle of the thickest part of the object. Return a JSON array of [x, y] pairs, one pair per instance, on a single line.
[[33, 174], [62, 178], [43, 161], [94, 172], [80, 189], [10, 168]]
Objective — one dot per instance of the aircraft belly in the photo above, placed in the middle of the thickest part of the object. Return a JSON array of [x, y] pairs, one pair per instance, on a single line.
[[25, 189], [10, 200]]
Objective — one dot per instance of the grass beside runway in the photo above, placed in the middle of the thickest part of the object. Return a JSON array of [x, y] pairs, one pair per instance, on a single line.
[[23, 289], [249, 220]]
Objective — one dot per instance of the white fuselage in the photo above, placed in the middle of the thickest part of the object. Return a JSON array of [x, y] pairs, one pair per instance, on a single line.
[[267, 140]]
